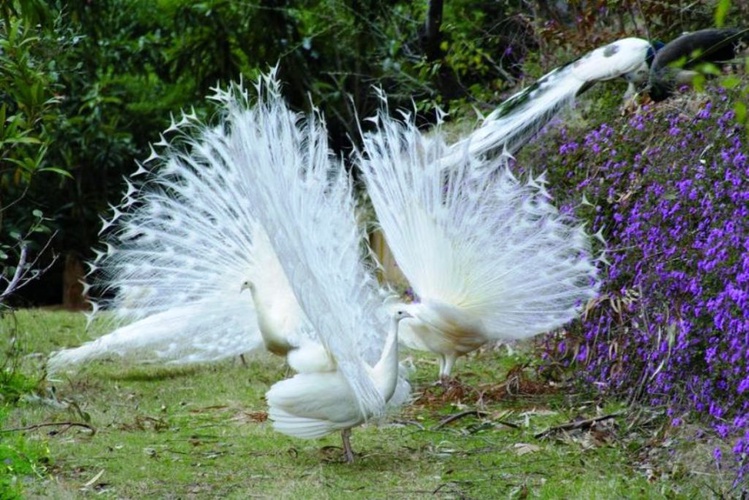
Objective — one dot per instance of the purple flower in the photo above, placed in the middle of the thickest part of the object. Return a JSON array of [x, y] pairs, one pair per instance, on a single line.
[[671, 194]]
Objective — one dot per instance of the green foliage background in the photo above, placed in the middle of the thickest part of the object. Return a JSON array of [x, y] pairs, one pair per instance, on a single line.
[[85, 86]]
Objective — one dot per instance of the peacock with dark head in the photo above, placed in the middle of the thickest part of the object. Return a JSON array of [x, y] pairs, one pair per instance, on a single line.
[[674, 64]]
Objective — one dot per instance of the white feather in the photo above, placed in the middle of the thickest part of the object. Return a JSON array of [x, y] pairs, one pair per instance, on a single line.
[[203, 331], [177, 253], [303, 197], [489, 257], [524, 114]]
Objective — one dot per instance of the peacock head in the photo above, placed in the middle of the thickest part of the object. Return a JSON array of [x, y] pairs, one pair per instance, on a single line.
[[401, 314], [247, 285]]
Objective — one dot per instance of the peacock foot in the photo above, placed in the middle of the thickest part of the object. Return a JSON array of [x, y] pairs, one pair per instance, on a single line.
[[348, 453]]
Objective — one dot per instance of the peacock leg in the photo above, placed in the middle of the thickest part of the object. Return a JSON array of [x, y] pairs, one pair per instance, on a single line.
[[348, 453], [447, 367], [441, 379]]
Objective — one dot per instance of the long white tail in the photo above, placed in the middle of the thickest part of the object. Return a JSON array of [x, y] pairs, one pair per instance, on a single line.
[[206, 331], [524, 114]]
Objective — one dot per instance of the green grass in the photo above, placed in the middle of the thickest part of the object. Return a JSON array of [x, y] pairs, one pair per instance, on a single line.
[[199, 432]]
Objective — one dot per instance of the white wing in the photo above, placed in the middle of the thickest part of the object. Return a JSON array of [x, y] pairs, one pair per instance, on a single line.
[[316, 412]]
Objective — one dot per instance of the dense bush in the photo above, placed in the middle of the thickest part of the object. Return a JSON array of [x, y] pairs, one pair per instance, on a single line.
[[669, 189], [29, 115]]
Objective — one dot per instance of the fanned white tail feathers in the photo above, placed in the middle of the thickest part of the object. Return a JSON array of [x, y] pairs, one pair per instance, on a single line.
[[178, 249], [308, 207], [472, 236], [525, 113]]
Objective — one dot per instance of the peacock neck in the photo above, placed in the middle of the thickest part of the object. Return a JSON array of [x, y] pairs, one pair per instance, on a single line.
[[386, 369], [274, 341]]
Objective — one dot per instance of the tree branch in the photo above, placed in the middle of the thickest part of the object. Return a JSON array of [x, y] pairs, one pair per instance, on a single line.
[[52, 424], [576, 425]]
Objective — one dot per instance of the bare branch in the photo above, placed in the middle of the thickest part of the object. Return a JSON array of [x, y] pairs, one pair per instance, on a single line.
[[457, 416], [580, 424], [23, 268], [17, 275], [52, 424]]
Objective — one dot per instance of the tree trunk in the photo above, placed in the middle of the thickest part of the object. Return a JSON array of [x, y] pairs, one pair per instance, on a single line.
[[390, 272], [72, 283], [433, 31]]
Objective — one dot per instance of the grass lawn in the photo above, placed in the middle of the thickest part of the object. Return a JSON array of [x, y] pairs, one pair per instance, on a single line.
[[201, 432]]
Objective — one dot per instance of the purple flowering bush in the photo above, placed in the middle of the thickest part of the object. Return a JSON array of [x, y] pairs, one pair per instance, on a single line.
[[669, 188]]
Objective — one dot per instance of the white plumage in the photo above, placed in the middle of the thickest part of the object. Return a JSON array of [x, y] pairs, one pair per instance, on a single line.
[[178, 248], [200, 332], [259, 203], [522, 115], [176, 255], [281, 320], [304, 198], [488, 257], [313, 404], [180, 241]]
